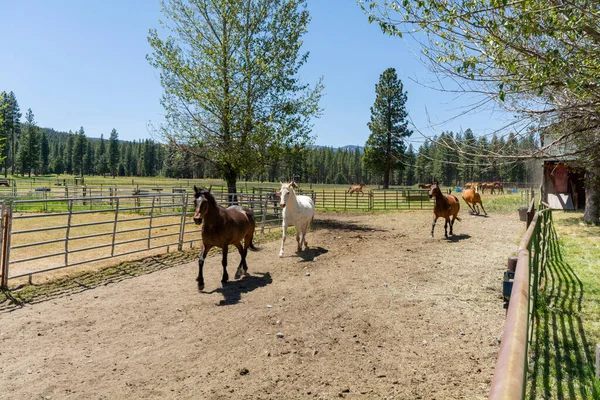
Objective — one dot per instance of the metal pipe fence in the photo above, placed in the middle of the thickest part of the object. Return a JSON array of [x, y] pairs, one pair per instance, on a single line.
[[510, 377], [40, 236]]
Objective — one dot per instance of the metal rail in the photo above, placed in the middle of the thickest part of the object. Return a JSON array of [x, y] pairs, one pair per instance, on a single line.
[[510, 377], [107, 227]]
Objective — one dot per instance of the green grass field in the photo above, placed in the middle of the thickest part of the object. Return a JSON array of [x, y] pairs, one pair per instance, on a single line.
[[568, 314]]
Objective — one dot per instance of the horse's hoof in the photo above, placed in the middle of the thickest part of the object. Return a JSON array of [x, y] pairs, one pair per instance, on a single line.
[[200, 287], [281, 254]]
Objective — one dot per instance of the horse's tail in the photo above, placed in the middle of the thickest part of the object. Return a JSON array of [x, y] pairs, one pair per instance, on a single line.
[[252, 220]]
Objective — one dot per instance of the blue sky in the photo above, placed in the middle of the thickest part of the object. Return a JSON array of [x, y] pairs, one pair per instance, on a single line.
[[83, 63]]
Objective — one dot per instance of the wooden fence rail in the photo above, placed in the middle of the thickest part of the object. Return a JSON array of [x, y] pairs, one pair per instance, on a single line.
[[510, 376]]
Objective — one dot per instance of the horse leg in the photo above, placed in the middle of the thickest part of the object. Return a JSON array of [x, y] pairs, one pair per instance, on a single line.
[[225, 277], [433, 224], [452, 224], [446, 227], [200, 278], [242, 268], [471, 207], [298, 229], [304, 232], [485, 212], [284, 229]]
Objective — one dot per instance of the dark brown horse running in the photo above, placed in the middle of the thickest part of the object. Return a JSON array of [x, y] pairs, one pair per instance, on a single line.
[[222, 227], [446, 206]]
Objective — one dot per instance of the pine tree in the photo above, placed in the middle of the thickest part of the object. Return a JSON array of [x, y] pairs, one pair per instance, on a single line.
[[384, 149], [28, 155], [44, 154], [79, 151], [113, 152]]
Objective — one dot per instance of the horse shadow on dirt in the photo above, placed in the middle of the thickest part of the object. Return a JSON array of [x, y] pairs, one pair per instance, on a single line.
[[458, 237], [343, 226], [232, 291], [311, 253]]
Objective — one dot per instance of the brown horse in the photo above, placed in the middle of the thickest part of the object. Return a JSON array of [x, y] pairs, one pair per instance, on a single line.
[[357, 188], [473, 200], [222, 227], [424, 185], [446, 206]]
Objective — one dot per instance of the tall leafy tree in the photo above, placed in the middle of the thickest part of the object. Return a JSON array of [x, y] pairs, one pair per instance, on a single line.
[[232, 92], [384, 150], [538, 58]]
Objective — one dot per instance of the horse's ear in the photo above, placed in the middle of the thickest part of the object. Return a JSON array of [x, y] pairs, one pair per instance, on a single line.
[[293, 184], [209, 188], [196, 190], [437, 183]]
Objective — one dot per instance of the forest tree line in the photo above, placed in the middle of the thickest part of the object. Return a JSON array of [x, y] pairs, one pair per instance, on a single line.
[[29, 149]]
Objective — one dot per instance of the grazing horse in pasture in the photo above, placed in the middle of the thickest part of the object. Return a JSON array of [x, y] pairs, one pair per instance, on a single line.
[[485, 186], [357, 188], [424, 185], [222, 227], [298, 211], [446, 206], [473, 200], [498, 186]]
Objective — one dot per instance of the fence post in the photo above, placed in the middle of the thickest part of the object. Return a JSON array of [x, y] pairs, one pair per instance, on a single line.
[[114, 235], [264, 216], [182, 226], [68, 231], [408, 193], [150, 225], [6, 245]]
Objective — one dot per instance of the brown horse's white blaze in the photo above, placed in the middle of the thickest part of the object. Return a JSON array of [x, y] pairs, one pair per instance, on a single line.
[[222, 227], [446, 206], [473, 200]]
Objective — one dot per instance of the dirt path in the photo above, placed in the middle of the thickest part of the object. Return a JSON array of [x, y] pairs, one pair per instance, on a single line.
[[385, 312]]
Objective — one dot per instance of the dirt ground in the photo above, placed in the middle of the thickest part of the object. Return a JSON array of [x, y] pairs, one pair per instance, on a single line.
[[375, 309]]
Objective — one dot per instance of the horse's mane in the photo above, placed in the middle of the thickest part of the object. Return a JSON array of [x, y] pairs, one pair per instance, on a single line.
[[208, 196]]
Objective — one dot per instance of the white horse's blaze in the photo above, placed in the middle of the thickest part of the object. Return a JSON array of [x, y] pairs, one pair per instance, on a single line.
[[297, 211]]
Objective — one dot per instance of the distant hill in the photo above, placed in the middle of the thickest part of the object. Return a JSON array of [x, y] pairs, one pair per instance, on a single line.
[[350, 147]]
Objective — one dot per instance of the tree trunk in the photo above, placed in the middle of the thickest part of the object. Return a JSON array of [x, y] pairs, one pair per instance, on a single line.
[[230, 176], [592, 195]]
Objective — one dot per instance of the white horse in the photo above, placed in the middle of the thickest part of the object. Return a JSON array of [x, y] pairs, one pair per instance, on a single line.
[[297, 211]]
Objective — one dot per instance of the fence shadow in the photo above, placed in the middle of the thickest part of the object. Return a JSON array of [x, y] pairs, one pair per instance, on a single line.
[[561, 356], [232, 291]]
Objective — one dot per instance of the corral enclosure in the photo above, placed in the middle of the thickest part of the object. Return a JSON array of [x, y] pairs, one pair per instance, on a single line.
[[375, 309]]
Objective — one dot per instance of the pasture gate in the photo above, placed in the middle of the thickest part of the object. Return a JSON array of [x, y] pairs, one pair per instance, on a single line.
[[45, 235], [510, 377]]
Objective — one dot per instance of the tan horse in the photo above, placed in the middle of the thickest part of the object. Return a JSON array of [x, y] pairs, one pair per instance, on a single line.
[[356, 189], [473, 200], [446, 206]]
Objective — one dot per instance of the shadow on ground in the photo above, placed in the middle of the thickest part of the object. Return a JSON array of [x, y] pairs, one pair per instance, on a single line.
[[562, 360], [459, 237], [342, 226], [311, 253], [232, 291]]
